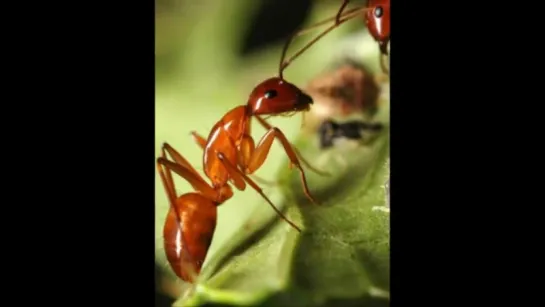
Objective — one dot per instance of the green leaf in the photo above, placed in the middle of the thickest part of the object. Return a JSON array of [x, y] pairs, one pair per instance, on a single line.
[[342, 255]]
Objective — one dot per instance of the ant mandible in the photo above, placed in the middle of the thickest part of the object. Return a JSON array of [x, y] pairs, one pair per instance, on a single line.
[[230, 156], [376, 15]]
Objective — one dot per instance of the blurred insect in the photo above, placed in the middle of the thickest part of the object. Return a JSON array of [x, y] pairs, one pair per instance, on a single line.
[[346, 88], [344, 137], [331, 132], [377, 20], [376, 15], [230, 157], [346, 99]]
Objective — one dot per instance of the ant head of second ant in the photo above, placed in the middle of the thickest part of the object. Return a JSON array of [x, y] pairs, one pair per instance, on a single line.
[[276, 96], [378, 21]]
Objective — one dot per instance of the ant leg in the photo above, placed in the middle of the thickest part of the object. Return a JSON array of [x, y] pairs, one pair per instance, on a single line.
[[168, 184], [308, 165], [196, 181], [264, 181], [166, 148], [262, 150], [299, 155], [236, 172], [178, 158]]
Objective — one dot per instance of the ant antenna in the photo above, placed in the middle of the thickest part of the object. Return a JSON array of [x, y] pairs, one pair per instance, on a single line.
[[339, 19], [339, 14]]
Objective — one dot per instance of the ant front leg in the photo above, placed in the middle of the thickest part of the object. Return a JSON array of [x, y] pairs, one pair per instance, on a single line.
[[299, 155], [262, 151]]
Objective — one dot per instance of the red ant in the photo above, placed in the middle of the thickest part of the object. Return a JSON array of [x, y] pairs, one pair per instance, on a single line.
[[376, 15], [230, 156]]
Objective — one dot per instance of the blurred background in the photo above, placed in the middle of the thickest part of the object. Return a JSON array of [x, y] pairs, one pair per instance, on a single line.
[[209, 55]]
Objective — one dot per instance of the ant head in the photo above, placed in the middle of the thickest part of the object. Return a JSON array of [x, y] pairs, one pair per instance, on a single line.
[[378, 21], [276, 96]]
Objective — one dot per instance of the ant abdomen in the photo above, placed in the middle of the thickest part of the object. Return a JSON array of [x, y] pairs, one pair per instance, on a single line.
[[186, 249]]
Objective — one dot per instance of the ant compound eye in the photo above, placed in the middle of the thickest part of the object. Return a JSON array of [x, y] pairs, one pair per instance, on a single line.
[[271, 94], [379, 11]]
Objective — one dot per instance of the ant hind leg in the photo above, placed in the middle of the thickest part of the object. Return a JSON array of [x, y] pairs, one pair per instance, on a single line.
[[193, 178], [177, 157]]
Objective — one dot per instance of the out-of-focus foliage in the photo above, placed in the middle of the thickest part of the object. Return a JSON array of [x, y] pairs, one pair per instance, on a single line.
[[343, 252]]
